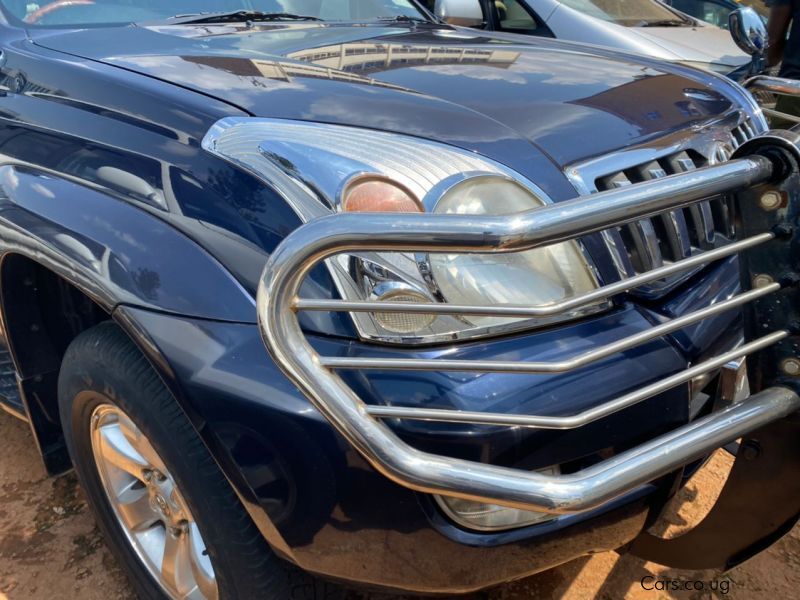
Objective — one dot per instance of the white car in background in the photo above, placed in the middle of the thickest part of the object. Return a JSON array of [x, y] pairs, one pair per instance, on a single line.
[[640, 26]]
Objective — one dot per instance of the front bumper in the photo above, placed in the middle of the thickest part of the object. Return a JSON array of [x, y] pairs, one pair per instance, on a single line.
[[344, 519]]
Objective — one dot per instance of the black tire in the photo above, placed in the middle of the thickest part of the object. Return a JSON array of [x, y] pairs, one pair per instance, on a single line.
[[105, 363]]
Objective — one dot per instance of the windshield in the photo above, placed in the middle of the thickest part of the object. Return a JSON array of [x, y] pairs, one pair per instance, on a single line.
[[631, 13], [54, 13]]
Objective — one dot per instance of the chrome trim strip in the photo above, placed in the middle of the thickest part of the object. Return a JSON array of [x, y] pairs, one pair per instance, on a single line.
[[294, 258], [703, 139], [496, 366], [580, 419], [600, 293]]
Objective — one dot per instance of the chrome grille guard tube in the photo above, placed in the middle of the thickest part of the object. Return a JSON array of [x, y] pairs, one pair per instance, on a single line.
[[764, 85], [361, 424]]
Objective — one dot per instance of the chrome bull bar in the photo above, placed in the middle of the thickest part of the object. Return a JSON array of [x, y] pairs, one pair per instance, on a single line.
[[766, 89], [362, 425]]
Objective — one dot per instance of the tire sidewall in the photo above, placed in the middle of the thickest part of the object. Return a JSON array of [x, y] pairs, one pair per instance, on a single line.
[[83, 386]]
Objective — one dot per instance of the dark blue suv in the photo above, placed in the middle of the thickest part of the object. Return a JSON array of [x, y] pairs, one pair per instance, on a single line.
[[320, 291]]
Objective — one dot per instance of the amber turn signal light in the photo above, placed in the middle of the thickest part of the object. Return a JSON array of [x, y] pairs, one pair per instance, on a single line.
[[377, 194]]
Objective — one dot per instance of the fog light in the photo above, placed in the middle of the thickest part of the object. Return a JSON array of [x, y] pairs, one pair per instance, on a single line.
[[401, 322], [491, 517]]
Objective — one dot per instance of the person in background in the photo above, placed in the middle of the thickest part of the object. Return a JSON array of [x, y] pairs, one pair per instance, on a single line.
[[784, 17]]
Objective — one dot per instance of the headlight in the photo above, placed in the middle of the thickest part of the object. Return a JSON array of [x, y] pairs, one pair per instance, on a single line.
[[321, 168], [534, 277]]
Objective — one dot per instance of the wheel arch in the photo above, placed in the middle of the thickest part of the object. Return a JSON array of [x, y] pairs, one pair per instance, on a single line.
[[33, 299], [66, 263], [41, 314]]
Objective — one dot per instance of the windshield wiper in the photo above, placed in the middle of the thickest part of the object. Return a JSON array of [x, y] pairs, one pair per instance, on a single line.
[[239, 15], [664, 23], [406, 19]]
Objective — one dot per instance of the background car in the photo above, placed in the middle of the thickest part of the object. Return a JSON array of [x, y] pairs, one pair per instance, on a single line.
[[640, 26], [717, 12]]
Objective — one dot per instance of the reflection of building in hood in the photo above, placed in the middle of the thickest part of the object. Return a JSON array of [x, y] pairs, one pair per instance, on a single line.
[[342, 61], [283, 70], [370, 57]]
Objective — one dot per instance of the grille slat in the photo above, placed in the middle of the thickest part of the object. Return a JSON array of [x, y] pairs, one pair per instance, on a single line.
[[669, 237], [642, 242], [675, 235], [702, 220], [670, 228]]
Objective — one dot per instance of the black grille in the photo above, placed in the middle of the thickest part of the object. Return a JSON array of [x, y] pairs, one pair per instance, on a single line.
[[652, 243]]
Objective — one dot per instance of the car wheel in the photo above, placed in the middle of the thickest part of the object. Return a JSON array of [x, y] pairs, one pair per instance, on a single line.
[[167, 511]]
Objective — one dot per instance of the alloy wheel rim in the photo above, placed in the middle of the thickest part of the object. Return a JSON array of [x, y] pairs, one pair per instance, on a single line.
[[150, 508]]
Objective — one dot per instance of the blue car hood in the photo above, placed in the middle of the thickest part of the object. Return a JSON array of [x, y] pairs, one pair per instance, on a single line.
[[495, 95]]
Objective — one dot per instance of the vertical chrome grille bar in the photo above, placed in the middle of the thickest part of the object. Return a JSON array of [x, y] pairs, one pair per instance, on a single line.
[[675, 235], [703, 221], [701, 218], [647, 254]]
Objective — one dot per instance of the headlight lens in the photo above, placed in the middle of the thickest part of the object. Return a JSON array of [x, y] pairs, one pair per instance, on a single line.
[[321, 168], [534, 277]]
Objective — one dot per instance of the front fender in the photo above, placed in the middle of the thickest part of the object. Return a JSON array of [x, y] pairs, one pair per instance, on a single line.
[[112, 250]]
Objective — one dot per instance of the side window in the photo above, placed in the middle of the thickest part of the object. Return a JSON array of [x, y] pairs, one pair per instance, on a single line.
[[514, 16]]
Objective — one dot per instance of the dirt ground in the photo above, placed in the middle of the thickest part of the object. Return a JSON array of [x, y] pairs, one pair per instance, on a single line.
[[50, 547]]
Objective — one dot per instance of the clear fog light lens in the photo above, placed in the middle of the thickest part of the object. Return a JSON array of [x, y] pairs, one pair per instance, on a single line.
[[406, 323], [491, 517]]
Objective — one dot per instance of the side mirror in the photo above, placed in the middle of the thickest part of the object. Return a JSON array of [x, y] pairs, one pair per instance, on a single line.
[[466, 13], [748, 31]]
